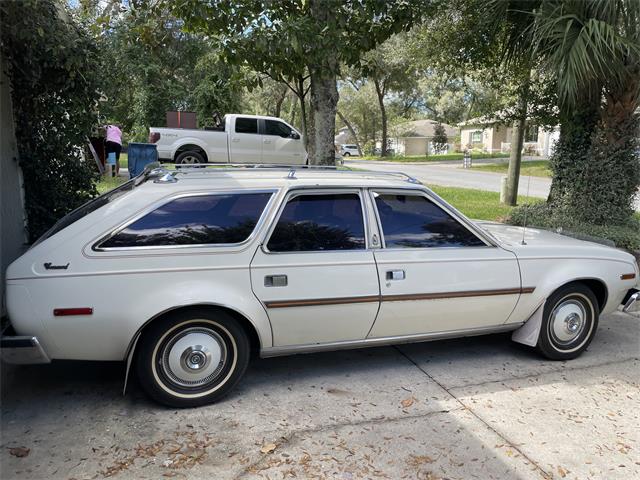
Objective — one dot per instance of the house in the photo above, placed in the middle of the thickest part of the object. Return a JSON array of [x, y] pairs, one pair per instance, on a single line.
[[12, 234], [494, 136], [416, 137]]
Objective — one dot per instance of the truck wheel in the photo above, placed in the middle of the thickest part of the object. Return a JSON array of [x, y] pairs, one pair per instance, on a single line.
[[192, 358], [569, 322], [346, 154], [190, 157]]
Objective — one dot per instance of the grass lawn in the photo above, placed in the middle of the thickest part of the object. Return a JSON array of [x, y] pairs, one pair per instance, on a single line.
[[431, 158], [124, 160], [478, 204], [534, 168]]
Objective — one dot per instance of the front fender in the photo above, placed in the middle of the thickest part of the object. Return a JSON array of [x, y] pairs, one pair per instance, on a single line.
[[546, 275]]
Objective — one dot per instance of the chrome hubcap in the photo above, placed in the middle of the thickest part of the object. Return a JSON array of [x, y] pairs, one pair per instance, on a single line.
[[568, 321], [194, 357]]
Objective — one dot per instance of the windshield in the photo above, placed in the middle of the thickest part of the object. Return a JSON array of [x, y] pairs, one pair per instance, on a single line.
[[86, 209]]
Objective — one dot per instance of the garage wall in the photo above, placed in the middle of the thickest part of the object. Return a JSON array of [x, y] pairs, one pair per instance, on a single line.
[[415, 146], [12, 232]]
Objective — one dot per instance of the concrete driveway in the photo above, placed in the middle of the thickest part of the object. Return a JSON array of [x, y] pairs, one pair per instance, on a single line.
[[481, 408]]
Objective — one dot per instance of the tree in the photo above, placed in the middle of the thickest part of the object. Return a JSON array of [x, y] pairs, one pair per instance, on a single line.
[[284, 38], [151, 66], [440, 140], [459, 40], [593, 50], [54, 70], [388, 68]]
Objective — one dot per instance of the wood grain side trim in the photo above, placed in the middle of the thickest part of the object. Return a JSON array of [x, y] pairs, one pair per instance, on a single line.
[[463, 294], [313, 302], [395, 298]]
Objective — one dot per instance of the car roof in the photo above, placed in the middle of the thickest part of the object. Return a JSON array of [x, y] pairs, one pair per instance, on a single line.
[[273, 177]]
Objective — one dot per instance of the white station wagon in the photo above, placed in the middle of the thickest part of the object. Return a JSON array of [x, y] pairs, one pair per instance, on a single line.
[[185, 274]]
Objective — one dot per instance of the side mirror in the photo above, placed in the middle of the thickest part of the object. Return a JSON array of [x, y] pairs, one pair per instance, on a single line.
[[295, 136]]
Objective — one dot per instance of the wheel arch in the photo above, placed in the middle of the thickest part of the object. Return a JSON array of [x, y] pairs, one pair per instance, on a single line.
[[529, 332], [191, 146], [253, 333]]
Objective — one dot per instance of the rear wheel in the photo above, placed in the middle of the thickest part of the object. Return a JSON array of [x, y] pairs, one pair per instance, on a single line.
[[192, 358], [190, 157], [346, 154], [569, 322]]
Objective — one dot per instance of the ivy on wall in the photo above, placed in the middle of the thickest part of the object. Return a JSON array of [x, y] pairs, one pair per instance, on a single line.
[[54, 68]]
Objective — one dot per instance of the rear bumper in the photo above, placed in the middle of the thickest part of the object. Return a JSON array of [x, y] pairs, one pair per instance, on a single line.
[[22, 350], [631, 302]]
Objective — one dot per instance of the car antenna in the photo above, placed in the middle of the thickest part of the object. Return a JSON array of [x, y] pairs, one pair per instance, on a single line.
[[526, 210]]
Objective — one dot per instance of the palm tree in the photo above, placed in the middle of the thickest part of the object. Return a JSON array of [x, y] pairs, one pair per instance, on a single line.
[[592, 47]]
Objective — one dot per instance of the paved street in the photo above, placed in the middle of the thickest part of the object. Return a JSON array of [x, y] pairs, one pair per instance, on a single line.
[[481, 408], [451, 175]]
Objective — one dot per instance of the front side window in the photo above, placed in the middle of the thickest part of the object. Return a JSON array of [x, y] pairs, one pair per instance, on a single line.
[[195, 220], [319, 222], [276, 128], [413, 221], [246, 125]]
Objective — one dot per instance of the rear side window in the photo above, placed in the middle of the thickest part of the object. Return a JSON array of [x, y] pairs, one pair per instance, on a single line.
[[413, 221], [194, 220], [271, 127], [319, 222], [246, 125]]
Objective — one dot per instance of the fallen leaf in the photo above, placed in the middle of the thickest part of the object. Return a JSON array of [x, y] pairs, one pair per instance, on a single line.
[[268, 447], [19, 451], [407, 402], [562, 471]]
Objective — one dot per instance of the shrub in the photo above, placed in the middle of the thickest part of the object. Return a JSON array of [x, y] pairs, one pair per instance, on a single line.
[[54, 69]]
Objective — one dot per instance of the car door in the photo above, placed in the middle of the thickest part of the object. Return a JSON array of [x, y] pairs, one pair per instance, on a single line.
[[437, 274], [245, 143], [314, 273], [281, 144]]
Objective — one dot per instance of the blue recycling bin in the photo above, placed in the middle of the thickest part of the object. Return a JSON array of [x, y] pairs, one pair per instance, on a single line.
[[141, 155]]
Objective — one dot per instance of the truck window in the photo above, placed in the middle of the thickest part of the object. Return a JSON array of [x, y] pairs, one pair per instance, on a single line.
[[246, 125], [273, 127]]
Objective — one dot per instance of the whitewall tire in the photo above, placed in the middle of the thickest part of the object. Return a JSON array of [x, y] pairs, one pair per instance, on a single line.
[[192, 358], [569, 322]]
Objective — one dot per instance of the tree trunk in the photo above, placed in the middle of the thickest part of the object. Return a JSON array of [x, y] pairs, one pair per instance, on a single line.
[[303, 111], [323, 72], [279, 102], [515, 160], [351, 130], [383, 116]]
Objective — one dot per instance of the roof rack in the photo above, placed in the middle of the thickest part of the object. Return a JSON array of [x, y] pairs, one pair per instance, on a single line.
[[164, 175]]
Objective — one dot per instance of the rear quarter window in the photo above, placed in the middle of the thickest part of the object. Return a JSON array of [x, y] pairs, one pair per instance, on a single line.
[[219, 219]]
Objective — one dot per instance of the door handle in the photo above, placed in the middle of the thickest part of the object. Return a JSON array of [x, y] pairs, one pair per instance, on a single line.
[[266, 141], [235, 140], [395, 275], [275, 281]]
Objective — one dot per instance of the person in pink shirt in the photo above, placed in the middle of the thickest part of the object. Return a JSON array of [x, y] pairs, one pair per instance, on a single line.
[[113, 142]]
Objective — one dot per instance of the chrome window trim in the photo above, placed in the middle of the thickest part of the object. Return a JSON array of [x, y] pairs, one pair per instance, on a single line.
[[438, 202], [316, 190], [95, 247]]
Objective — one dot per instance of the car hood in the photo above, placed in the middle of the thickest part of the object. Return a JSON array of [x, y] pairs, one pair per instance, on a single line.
[[538, 242]]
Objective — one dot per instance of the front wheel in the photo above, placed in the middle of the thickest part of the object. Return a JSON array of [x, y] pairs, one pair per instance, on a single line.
[[569, 322], [346, 154], [192, 358]]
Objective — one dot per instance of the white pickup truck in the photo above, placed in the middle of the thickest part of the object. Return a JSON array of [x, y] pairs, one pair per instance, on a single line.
[[240, 139]]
